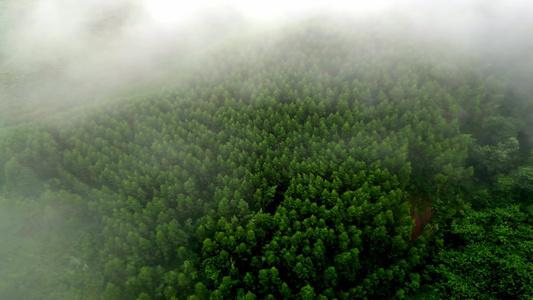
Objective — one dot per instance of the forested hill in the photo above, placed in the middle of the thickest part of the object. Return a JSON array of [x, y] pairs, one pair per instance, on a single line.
[[291, 165]]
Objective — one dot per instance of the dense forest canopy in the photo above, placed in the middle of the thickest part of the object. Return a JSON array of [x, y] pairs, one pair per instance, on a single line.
[[327, 158]]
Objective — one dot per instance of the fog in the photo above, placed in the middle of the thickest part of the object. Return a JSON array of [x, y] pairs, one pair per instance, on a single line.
[[60, 54], [55, 53]]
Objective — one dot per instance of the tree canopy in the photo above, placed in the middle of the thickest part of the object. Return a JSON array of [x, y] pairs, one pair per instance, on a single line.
[[288, 166]]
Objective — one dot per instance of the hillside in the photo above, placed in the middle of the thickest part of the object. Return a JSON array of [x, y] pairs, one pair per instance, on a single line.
[[282, 166]]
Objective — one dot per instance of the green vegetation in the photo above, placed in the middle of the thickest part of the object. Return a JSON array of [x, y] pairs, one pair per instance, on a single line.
[[487, 256], [284, 167]]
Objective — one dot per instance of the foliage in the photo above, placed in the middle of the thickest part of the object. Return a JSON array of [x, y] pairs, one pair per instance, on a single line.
[[340, 237], [486, 255], [281, 167]]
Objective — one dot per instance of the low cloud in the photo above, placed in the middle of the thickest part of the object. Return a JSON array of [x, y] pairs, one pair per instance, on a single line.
[[72, 51]]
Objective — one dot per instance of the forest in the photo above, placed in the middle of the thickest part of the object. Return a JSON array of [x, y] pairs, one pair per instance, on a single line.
[[317, 160]]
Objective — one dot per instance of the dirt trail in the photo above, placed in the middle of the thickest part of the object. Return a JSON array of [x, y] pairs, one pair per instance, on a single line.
[[421, 219]]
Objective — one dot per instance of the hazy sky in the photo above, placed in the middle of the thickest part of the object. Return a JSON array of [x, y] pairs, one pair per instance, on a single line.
[[91, 46], [55, 25]]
